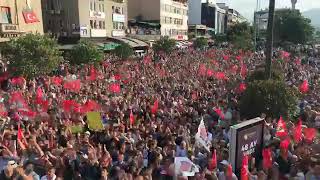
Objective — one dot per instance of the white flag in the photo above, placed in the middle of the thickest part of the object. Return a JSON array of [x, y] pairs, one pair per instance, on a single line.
[[185, 167], [202, 136]]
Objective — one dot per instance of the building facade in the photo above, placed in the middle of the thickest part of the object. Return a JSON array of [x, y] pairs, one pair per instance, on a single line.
[[85, 18], [20, 17], [172, 15], [207, 13], [261, 20], [234, 17]]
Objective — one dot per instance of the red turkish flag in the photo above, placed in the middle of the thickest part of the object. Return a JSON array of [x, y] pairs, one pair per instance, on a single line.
[[244, 168], [115, 88], [131, 118], [304, 87], [213, 163], [30, 17], [281, 128], [20, 133], [242, 87], [297, 132], [310, 134], [267, 158], [154, 108]]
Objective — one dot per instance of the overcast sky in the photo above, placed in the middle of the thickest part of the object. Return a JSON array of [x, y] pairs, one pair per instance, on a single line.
[[247, 7]]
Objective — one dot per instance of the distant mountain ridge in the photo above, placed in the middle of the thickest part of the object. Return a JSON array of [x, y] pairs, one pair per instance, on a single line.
[[314, 15]]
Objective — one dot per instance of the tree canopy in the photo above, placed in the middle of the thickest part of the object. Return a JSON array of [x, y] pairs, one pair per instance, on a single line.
[[165, 44], [291, 26], [272, 96], [85, 52], [123, 51], [31, 55], [200, 43], [240, 35]]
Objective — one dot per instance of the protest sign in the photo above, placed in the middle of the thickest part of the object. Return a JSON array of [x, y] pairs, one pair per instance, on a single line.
[[94, 121], [246, 139], [76, 129]]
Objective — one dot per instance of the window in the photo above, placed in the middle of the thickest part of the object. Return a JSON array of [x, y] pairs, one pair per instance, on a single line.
[[100, 25], [94, 6], [162, 19], [167, 8], [103, 25], [102, 7], [91, 6], [118, 25], [95, 24], [91, 24], [5, 15], [112, 9], [178, 11], [61, 24], [163, 7], [99, 8]]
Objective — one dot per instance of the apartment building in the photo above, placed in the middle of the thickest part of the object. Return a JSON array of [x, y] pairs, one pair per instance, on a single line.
[[207, 13], [20, 17], [172, 15], [74, 19]]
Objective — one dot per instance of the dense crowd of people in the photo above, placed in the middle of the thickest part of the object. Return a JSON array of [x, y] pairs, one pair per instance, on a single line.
[[150, 111]]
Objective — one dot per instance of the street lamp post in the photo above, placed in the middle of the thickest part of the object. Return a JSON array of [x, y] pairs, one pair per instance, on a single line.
[[269, 45]]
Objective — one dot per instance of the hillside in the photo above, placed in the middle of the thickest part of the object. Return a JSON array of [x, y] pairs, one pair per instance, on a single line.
[[314, 15]]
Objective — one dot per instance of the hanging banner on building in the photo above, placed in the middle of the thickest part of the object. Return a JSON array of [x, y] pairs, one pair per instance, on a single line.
[[29, 16], [246, 139]]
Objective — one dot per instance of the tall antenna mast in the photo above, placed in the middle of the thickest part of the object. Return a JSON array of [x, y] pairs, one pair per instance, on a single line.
[[293, 3]]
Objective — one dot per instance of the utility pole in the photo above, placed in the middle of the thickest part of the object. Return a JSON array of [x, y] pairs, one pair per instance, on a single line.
[[269, 45]]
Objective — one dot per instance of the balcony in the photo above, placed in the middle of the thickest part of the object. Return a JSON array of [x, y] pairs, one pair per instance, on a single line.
[[95, 14], [118, 1], [98, 33], [181, 1], [117, 33], [118, 17]]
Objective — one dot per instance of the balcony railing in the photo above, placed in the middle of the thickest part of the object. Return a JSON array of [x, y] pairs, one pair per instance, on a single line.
[[181, 1], [118, 1]]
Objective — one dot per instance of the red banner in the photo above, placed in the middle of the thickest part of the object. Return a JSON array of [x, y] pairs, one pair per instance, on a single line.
[[30, 17]]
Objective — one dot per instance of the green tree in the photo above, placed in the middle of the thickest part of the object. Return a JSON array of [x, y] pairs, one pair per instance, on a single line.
[[164, 44], [219, 38], [240, 35], [291, 26], [317, 35], [123, 51], [31, 55], [85, 52], [272, 97], [200, 43]]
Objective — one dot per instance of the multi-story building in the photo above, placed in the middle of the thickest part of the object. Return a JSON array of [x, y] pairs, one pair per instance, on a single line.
[[261, 20], [207, 13], [20, 17], [234, 17], [172, 15], [85, 18]]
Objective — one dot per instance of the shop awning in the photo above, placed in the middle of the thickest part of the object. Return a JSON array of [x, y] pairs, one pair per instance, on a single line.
[[108, 46]]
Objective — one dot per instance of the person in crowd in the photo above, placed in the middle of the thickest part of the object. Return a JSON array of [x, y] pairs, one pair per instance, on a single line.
[[151, 113]]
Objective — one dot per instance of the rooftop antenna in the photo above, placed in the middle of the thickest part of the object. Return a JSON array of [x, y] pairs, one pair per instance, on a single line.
[[293, 3]]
